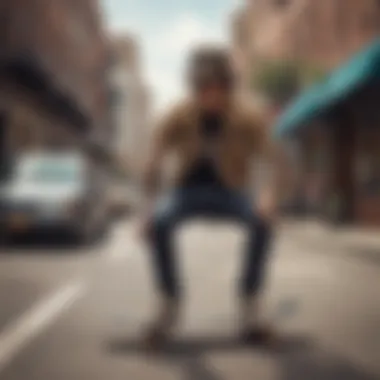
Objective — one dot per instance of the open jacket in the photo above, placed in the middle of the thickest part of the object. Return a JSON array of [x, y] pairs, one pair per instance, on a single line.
[[245, 138]]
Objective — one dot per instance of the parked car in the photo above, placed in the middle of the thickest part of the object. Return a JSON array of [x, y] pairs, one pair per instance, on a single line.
[[61, 192]]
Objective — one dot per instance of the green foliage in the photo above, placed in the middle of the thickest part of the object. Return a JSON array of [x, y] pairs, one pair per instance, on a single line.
[[311, 75], [280, 81]]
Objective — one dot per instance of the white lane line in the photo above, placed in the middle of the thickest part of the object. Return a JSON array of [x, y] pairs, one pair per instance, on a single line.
[[21, 332]]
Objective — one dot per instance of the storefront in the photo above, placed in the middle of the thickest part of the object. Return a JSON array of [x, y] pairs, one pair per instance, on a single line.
[[367, 177], [3, 146], [310, 156], [337, 127]]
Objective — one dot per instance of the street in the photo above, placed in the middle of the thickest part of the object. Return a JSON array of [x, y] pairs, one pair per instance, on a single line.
[[77, 314]]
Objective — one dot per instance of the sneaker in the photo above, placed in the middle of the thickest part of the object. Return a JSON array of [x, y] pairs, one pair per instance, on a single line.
[[161, 328], [253, 329], [259, 335]]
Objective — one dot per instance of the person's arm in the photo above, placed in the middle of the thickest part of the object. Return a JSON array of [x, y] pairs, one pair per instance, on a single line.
[[268, 176], [160, 146]]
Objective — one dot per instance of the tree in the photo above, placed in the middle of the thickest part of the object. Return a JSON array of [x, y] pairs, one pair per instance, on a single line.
[[311, 75], [280, 81]]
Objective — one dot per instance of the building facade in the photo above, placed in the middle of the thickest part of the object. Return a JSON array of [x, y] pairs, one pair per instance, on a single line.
[[131, 101], [323, 32], [53, 71]]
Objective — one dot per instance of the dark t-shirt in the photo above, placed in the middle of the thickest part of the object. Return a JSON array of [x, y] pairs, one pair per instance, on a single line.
[[204, 171]]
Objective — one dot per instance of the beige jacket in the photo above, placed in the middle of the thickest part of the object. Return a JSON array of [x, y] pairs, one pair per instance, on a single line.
[[245, 137]]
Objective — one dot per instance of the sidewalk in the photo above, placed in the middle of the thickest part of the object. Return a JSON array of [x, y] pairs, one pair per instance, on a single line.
[[357, 241]]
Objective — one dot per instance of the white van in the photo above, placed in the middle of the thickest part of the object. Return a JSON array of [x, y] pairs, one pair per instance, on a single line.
[[59, 191]]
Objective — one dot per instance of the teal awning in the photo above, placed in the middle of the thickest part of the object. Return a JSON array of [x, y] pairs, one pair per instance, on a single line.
[[361, 71], [304, 109]]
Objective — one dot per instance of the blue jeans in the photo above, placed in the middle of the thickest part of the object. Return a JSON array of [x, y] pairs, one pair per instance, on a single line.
[[208, 202]]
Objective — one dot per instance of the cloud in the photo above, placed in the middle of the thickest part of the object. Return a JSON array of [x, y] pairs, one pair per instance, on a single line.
[[167, 42], [167, 53], [186, 31]]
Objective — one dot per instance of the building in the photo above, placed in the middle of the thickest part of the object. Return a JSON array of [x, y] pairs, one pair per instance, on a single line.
[[53, 72], [339, 140], [131, 101], [323, 32]]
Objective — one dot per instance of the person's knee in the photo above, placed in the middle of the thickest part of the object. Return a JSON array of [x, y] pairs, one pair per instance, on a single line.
[[161, 225], [263, 228], [260, 227]]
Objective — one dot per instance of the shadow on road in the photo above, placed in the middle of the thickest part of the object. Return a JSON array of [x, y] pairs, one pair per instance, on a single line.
[[319, 364], [296, 357], [41, 243], [205, 344], [189, 354], [370, 255]]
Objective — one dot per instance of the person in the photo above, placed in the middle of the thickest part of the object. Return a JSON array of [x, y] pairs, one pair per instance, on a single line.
[[215, 136]]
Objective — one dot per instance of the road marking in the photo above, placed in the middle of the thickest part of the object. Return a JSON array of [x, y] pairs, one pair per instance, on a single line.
[[15, 337]]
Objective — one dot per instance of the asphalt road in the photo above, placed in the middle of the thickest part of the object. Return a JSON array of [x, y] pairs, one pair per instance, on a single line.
[[68, 314]]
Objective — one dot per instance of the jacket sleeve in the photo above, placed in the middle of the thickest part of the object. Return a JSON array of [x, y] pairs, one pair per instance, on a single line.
[[161, 143], [266, 154]]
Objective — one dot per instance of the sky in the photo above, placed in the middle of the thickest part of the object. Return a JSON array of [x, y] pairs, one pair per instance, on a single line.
[[166, 30]]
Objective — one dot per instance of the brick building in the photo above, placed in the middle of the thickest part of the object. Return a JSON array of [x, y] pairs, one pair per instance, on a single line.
[[323, 32], [53, 71], [132, 100]]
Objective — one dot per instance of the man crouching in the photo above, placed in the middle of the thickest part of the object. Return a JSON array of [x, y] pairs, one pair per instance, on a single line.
[[216, 138]]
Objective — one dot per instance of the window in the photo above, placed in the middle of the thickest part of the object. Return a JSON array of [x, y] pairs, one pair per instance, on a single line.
[[368, 165], [241, 37], [240, 31], [45, 170], [281, 3], [371, 19], [369, 22]]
